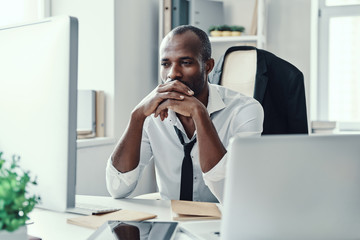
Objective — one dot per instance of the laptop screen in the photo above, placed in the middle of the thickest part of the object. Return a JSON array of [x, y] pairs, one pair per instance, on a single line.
[[293, 187]]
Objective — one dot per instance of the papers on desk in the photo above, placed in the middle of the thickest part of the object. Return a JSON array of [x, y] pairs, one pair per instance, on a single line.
[[189, 210], [95, 221]]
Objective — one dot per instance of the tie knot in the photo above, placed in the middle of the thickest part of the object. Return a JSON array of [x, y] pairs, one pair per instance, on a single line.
[[188, 146]]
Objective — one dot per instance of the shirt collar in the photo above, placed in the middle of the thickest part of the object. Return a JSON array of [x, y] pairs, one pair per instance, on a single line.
[[215, 103]]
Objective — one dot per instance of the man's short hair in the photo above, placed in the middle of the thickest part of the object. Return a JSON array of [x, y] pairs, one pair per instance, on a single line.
[[203, 37]]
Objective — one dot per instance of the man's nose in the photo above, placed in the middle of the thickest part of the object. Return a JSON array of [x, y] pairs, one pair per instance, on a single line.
[[174, 72]]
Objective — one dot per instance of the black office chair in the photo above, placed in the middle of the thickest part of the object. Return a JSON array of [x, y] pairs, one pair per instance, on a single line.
[[274, 82]]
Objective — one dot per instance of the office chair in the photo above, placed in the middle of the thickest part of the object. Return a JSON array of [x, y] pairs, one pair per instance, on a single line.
[[274, 82]]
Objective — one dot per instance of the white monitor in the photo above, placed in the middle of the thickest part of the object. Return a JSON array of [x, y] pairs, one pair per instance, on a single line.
[[38, 101], [293, 187]]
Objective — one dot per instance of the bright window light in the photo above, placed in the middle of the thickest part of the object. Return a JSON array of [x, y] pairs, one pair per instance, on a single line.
[[341, 2], [17, 11], [11, 11], [344, 70]]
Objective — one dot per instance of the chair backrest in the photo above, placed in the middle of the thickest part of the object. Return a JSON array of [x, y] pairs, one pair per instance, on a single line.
[[274, 82], [239, 72]]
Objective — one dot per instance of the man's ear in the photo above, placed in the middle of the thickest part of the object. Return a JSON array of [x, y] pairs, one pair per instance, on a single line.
[[209, 65]]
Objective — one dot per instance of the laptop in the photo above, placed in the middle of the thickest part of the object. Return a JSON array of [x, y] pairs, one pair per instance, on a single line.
[[288, 187], [293, 187]]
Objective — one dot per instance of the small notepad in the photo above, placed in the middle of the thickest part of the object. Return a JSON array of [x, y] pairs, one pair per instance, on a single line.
[[189, 210], [95, 221]]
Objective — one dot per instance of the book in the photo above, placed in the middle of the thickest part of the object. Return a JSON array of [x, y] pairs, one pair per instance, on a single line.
[[323, 127], [204, 13], [86, 114], [323, 124], [254, 22], [189, 210], [167, 16], [100, 114], [95, 221]]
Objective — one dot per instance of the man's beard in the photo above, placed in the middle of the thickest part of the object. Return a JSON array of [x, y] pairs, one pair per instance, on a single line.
[[196, 83]]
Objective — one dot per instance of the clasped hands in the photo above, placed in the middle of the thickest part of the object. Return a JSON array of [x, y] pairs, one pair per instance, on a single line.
[[173, 95]]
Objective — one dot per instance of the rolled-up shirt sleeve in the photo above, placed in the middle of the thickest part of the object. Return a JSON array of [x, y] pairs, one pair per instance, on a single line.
[[121, 185], [247, 123], [118, 184]]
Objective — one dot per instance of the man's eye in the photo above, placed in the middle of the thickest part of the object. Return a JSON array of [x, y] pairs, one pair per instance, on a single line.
[[165, 64], [186, 62]]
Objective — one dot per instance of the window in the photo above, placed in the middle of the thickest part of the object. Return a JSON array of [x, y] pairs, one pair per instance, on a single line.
[[339, 61], [16, 11]]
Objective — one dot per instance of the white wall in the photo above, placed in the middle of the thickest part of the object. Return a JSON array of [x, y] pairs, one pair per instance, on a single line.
[[288, 34], [239, 13], [136, 55]]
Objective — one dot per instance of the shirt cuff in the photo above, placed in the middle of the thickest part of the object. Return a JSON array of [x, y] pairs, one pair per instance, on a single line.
[[217, 173]]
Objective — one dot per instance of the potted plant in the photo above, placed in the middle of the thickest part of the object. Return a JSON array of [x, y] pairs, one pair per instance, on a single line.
[[214, 31], [225, 30], [15, 201], [237, 30]]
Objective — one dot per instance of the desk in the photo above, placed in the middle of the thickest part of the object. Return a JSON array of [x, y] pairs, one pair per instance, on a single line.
[[51, 225]]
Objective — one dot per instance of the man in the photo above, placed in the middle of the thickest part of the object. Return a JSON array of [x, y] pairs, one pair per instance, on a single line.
[[184, 113]]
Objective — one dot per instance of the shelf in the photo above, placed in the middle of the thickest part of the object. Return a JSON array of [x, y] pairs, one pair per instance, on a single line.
[[94, 142], [248, 38]]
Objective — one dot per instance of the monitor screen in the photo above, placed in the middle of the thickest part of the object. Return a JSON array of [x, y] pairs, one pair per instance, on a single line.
[[38, 101]]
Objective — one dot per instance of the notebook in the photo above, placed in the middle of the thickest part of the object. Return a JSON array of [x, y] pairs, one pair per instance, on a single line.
[[192, 210], [293, 187]]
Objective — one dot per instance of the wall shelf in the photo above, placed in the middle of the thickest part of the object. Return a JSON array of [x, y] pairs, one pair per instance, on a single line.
[[245, 38]]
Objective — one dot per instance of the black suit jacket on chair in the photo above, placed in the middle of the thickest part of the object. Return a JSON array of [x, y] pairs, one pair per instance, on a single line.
[[279, 87]]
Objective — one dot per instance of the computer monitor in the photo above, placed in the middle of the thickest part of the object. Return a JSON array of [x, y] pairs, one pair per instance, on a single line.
[[38, 104]]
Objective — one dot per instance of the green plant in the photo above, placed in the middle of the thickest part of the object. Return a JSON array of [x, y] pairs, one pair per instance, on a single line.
[[224, 28], [237, 28], [213, 28], [15, 202]]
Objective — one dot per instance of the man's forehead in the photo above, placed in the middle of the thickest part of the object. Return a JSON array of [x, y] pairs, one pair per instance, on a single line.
[[184, 42]]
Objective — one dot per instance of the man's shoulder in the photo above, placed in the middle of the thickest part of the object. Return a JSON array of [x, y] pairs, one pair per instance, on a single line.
[[230, 96]]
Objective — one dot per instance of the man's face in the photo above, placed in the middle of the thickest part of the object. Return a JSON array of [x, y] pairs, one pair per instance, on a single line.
[[181, 60]]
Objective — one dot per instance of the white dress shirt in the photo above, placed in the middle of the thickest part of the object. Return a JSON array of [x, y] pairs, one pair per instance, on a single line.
[[232, 114]]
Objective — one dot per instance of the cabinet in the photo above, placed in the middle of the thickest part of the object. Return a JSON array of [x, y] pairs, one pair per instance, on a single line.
[[248, 13]]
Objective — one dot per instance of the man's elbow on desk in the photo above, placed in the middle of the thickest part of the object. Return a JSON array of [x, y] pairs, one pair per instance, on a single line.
[[120, 185]]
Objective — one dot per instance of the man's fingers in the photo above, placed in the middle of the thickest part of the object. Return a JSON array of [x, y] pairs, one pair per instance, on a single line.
[[175, 86], [171, 95], [168, 104], [163, 114], [162, 108]]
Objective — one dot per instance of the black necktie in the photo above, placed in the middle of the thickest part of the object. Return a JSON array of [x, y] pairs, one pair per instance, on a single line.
[[186, 185]]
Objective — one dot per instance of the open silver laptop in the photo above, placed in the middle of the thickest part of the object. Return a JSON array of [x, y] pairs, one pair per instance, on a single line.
[[293, 187]]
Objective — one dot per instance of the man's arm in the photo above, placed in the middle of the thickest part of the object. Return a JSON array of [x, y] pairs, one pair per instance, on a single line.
[[211, 149]]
